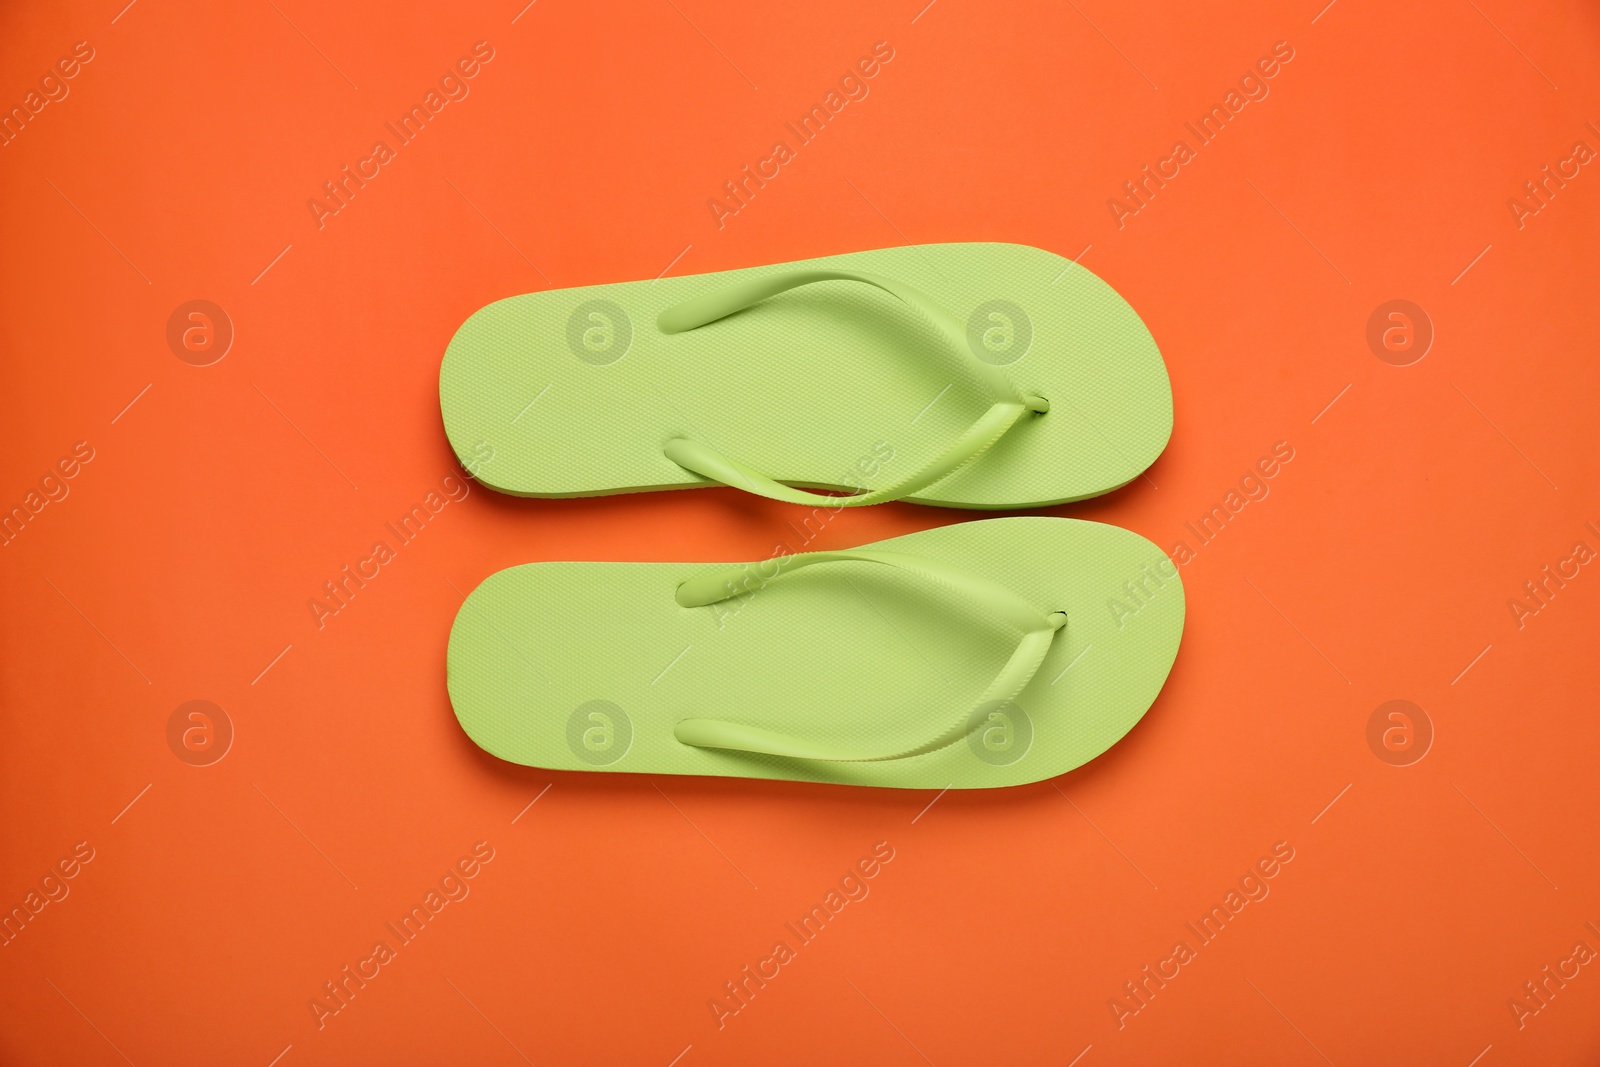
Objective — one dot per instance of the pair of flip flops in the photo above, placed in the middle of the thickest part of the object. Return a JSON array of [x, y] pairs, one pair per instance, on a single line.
[[988, 653]]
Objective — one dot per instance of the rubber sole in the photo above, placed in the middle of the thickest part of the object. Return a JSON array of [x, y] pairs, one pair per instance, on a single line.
[[575, 392], [588, 666]]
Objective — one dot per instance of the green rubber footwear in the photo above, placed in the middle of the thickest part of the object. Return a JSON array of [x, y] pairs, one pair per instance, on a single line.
[[982, 654], [966, 375]]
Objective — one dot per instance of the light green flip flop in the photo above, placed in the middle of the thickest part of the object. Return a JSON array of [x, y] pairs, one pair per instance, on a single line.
[[982, 654], [965, 375]]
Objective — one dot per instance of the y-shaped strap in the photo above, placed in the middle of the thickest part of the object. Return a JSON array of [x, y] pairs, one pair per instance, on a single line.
[[1038, 631], [702, 459]]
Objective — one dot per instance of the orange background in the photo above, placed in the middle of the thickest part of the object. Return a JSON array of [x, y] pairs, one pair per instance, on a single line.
[[220, 898]]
